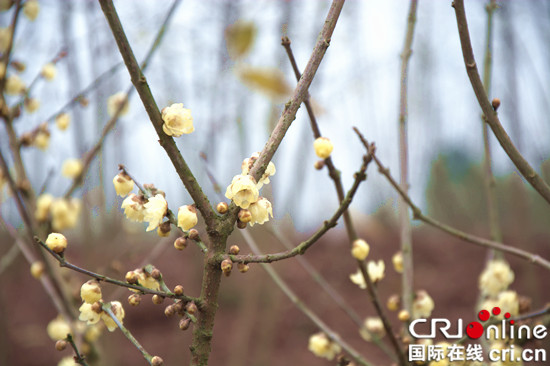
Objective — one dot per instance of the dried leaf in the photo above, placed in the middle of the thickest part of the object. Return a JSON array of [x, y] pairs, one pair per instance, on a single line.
[[266, 80], [239, 38]]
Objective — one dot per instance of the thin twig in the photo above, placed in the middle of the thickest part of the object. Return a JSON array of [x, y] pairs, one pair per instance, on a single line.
[[490, 114], [107, 308], [301, 305], [405, 236], [64, 263], [79, 358], [418, 215], [334, 174]]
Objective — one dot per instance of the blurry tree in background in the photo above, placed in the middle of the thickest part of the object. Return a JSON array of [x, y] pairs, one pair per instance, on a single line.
[[224, 125]]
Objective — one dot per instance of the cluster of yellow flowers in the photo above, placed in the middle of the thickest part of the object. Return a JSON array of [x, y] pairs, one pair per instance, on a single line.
[[63, 212], [91, 310], [322, 346], [245, 192], [151, 210]]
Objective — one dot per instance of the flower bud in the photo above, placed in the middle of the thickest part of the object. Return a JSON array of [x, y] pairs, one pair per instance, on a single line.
[[156, 361], [360, 249], [393, 302], [403, 315], [132, 277], [155, 273], [49, 71], [319, 164], [222, 207], [60, 345], [397, 261], [90, 292], [234, 249], [227, 266], [180, 243], [37, 269], [241, 225], [191, 308], [169, 311], [495, 103], [193, 234], [323, 147], [178, 290], [157, 299], [134, 299], [164, 229], [245, 216], [62, 121], [243, 268], [58, 329], [184, 323], [71, 168], [56, 242]]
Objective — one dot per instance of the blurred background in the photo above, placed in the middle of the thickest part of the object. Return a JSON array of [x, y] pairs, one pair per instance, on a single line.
[[357, 85]]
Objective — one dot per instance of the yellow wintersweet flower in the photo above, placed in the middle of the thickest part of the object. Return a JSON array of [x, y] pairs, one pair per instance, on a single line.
[[260, 211], [87, 314], [14, 85], [423, 305], [90, 292], [5, 35], [269, 171], [155, 209], [31, 105], [323, 147], [49, 71], [31, 8], [116, 101], [43, 203], [187, 217], [71, 168], [42, 140], [397, 260], [58, 329], [360, 249], [496, 277], [358, 279], [376, 270], [62, 121], [242, 191], [373, 326], [322, 346], [177, 120], [65, 213], [123, 184], [118, 311], [134, 208]]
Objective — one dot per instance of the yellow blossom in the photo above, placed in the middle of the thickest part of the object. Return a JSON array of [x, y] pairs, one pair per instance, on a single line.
[[118, 311], [67, 361], [62, 121], [242, 191], [58, 329], [65, 213], [358, 279], [323, 147], [14, 85], [87, 314], [177, 120], [496, 277], [2, 69], [423, 305], [123, 184], [397, 261], [42, 140], [187, 217], [260, 211], [31, 105], [90, 292], [134, 208], [360, 249], [5, 35], [56, 242], [146, 280], [321, 346], [155, 209], [115, 101], [49, 71], [31, 8], [43, 203], [37, 269], [71, 168], [92, 333], [269, 171], [376, 270], [373, 326]]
